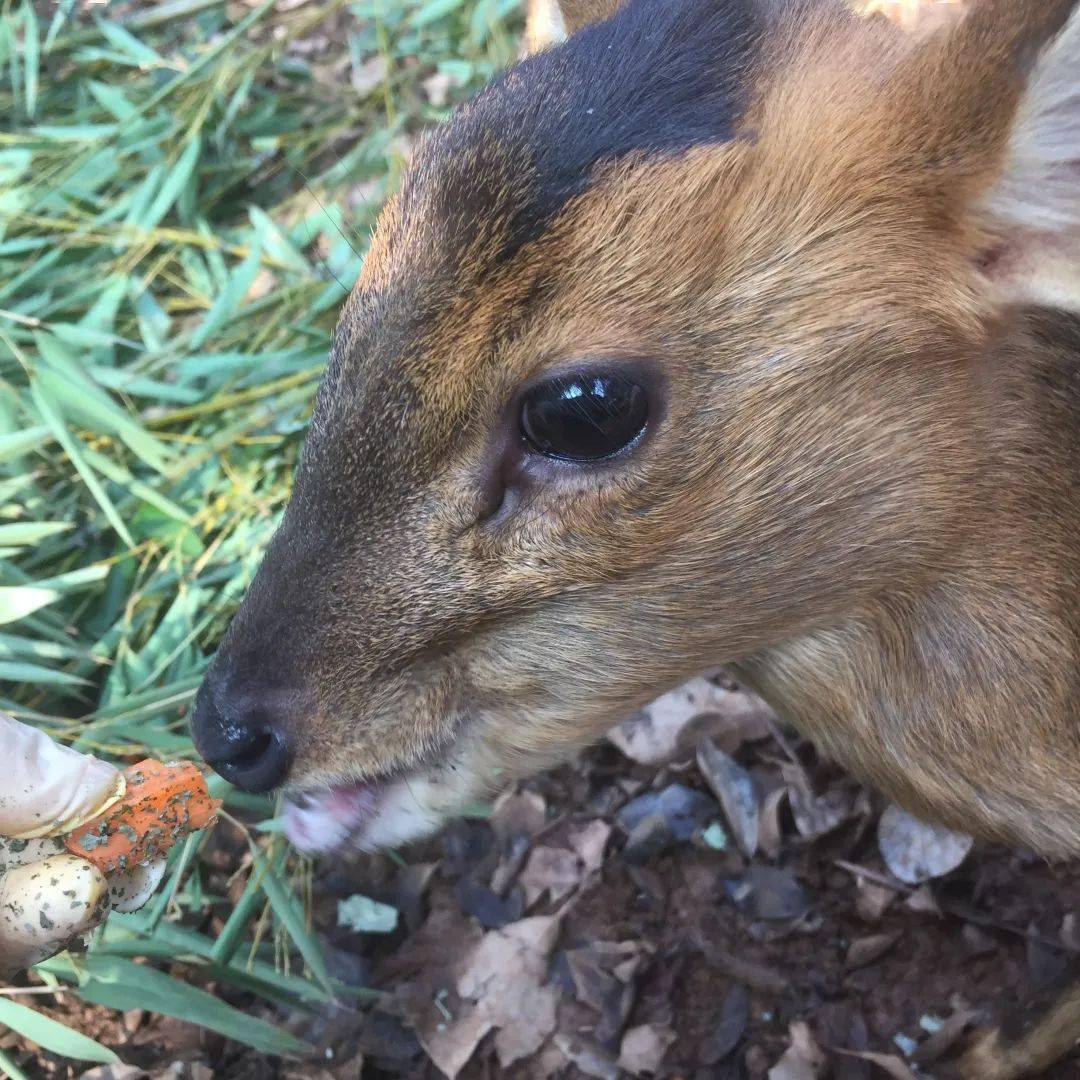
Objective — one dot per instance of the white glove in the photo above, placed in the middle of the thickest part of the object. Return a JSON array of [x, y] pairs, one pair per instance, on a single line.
[[48, 897]]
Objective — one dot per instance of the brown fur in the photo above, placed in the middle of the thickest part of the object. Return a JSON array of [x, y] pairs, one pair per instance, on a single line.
[[864, 491]]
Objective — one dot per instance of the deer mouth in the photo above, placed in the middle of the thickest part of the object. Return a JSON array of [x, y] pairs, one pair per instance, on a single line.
[[368, 815], [326, 819], [402, 803]]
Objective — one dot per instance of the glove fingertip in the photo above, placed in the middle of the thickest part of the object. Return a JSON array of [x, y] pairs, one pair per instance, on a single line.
[[46, 906]]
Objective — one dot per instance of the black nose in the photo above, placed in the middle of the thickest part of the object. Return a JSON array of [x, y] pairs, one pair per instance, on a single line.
[[245, 743]]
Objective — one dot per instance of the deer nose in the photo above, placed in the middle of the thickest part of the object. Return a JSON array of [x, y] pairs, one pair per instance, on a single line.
[[245, 742]]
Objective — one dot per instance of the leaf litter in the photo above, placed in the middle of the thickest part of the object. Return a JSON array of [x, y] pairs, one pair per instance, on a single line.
[[812, 960]]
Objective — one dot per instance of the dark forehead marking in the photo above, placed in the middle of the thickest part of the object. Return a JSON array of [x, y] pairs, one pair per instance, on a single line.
[[658, 77]]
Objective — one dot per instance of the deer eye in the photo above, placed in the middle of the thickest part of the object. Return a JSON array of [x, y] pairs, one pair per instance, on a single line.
[[584, 416]]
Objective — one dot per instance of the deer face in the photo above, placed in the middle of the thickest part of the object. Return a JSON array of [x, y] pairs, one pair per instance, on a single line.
[[665, 353]]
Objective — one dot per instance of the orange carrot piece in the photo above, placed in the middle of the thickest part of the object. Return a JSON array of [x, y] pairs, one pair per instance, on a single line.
[[162, 805]]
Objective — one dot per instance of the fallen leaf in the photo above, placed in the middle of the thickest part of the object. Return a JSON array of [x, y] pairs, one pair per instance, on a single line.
[[817, 815], [975, 942], [505, 977], [698, 709], [916, 852], [643, 1048], [552, 871], [1070, 932], [520, 813], [923, 900], [770, 834], [866, 950], [410, 886], [423, 972], [730, 1025], [731, 784], [602, 974], [682, 810], [769, 892], [362, 915], [385, 1038], [890, 1063], [872, 899], [591, 1059], [648, 837], [803, 1059], [451, 1043], [510, 865], [590, 842], [945, 1037], [487, 907]]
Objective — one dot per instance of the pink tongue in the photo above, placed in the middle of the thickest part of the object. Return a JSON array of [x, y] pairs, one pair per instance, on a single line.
[[323, 820]]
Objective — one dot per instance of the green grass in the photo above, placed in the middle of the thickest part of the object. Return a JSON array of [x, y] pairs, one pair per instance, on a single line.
[[186, 191]]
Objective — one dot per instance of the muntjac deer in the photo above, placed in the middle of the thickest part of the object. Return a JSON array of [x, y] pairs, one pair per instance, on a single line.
[[721, 330]]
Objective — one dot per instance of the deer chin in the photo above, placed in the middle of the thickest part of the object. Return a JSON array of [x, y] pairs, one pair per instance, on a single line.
[[396, 808], [365, 816]]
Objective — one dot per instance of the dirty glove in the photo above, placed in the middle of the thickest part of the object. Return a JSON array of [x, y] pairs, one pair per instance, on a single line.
[[48, 897]]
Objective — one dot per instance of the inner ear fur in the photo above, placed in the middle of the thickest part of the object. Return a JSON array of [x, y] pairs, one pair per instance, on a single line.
[[1030, 211], [991, 121], [550, 21], [970, 132]]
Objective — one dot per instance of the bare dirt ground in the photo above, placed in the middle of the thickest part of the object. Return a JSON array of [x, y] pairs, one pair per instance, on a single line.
[[603, 922]]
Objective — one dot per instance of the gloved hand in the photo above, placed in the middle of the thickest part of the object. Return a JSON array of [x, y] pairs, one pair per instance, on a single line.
[[48, 897]]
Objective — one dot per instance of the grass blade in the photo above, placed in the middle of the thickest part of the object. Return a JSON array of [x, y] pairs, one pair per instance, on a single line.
[[53, 1036]]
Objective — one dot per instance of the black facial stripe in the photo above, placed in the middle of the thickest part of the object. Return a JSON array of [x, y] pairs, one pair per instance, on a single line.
[[659, 77]]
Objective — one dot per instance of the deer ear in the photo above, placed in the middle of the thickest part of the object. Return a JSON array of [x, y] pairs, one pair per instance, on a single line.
[[552, 21], [1031, 211]]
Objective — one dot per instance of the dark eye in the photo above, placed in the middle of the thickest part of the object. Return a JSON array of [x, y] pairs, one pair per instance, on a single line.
[[584, 416]]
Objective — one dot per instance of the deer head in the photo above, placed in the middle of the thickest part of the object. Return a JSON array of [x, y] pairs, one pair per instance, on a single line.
[[665, 354]]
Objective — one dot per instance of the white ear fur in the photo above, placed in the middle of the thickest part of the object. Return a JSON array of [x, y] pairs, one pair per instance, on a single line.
[[913, 15], [544, 26], [1033, 210]]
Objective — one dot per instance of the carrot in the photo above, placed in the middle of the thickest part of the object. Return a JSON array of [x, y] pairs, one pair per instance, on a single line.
[[162, 805]]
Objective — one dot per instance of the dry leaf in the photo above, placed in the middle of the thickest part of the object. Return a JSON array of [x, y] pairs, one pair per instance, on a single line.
[[451, 1043], [803, 1059], [946, 1036], [550, 870], [916, 852], [872, 899], [699, 708], [769, 892], [591, 1059], [520, 813], [729, 1028], [890, 1063], [866, 950], [505, 976], [590, 841], [770, 834], [731, 784], [817, 815], [923, 900], [643, 1048]]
